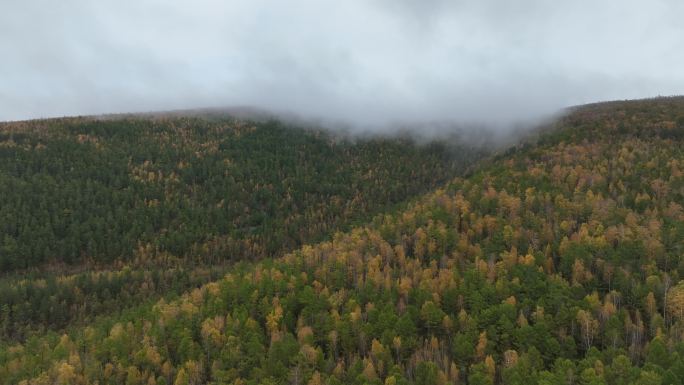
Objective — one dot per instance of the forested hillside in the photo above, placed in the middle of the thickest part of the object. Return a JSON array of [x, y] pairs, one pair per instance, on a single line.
[[98, 191], [101, 214], [557, 262]]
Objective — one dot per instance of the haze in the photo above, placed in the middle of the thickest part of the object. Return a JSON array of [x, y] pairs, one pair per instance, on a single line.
[[367, 63]]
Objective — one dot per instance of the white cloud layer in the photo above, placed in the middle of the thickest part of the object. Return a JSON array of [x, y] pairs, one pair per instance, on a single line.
[[360, 61]]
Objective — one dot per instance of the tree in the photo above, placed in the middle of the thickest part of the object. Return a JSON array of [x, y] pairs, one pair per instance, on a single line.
[[369, 371], [648, 377], [479, 375], [588, 326], [589, 376], [432, 315], [675, 301], [427, 374], [66, 374], [181, 378]]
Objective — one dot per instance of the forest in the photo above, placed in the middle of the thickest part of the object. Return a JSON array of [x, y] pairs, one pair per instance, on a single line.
[[383, 262], [103, 214], [96, 192]]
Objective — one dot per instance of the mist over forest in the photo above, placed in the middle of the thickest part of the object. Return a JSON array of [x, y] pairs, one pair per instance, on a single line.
[[318, 192], [378, 65]]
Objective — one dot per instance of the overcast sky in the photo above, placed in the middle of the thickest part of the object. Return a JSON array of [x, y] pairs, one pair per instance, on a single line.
[[366, 62]]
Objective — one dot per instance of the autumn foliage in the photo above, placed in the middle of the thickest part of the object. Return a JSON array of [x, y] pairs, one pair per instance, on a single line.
[[556, 262]]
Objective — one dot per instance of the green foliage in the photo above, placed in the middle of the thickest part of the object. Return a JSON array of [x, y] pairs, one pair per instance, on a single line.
[[556, 263], [150, 190], [176, 201]]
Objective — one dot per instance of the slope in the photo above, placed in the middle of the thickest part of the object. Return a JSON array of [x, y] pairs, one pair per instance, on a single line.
[[97, 191], [559, 261], [99, 214]]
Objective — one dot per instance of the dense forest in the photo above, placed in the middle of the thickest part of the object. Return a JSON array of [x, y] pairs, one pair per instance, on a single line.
[[558, 261], [98, 191], [101, 214]]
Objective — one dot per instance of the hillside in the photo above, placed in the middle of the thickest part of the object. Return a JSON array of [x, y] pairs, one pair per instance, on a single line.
[[556, 262], [101, 214], [99, 191]]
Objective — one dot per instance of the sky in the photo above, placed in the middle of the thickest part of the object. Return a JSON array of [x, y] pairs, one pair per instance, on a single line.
[[363, 62]]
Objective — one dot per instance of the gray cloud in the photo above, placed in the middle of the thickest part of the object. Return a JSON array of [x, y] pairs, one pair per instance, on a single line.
[[362, 62]]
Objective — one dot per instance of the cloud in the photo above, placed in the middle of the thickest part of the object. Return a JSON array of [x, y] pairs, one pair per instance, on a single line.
[[368, 63]]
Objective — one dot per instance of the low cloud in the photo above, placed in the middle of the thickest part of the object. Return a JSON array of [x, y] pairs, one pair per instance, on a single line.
[[382, 63]]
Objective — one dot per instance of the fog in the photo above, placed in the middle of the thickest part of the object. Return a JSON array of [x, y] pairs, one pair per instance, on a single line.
[[371, 64]]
